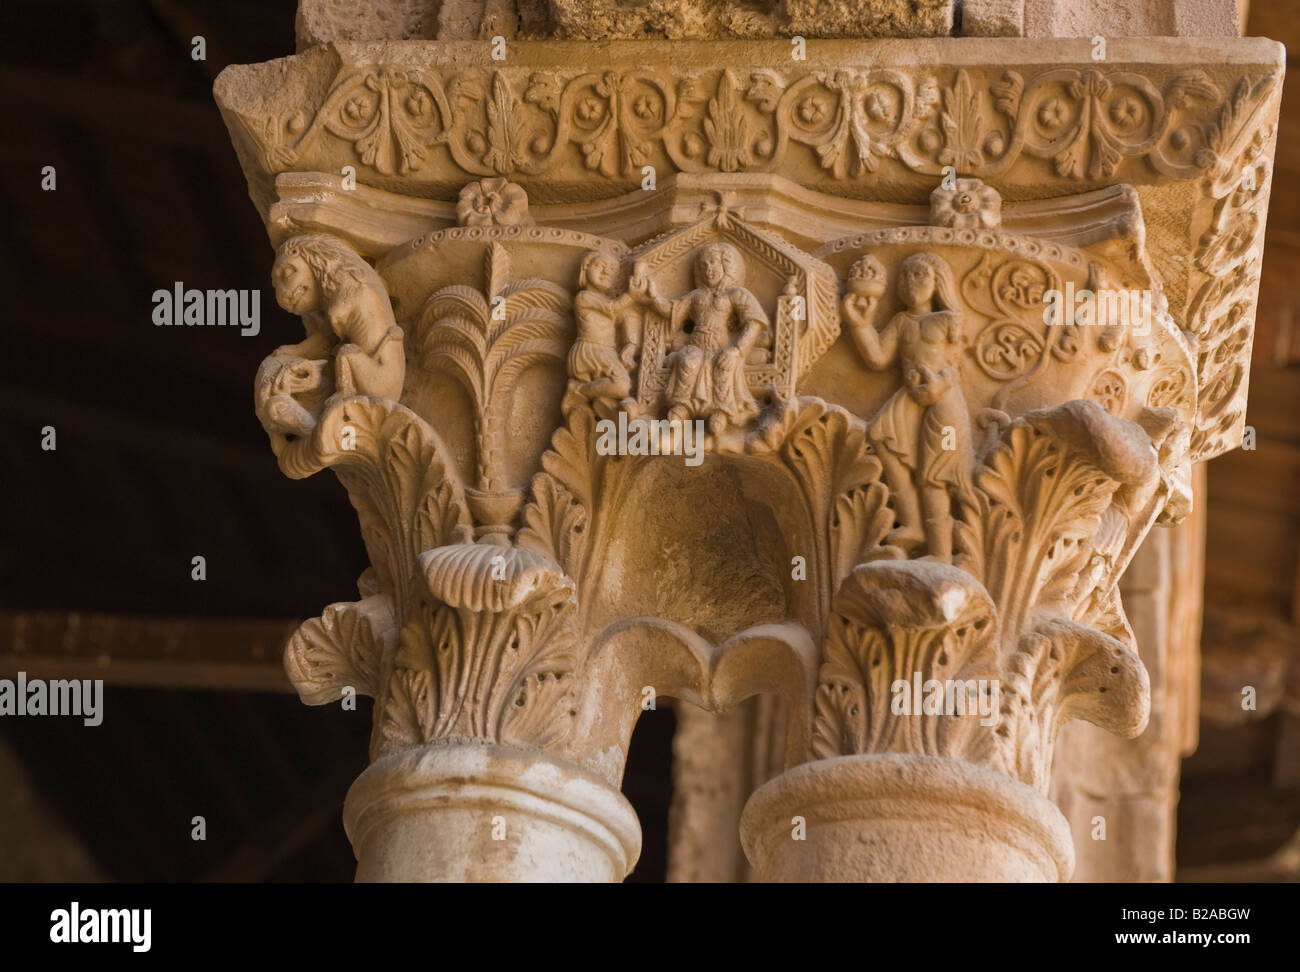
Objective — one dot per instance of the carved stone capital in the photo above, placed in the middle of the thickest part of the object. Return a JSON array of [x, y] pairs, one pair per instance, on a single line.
[[864, 398]]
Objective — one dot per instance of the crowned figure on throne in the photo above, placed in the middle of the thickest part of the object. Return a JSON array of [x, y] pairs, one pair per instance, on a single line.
[[715, 327]]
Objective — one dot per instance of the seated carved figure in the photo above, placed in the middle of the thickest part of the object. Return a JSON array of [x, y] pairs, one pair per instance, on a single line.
[[345, 310], [707, 368], [595, 359]]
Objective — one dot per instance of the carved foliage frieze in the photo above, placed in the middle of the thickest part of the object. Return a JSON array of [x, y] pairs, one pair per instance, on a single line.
[[1221, 311], [1085, 124]]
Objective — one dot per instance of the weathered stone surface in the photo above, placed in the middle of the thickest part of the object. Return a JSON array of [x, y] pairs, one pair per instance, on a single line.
[[465, 811], [327, 21], [1141, 18], [1120, 796], [904, 818], [993, 18], [715, 374]]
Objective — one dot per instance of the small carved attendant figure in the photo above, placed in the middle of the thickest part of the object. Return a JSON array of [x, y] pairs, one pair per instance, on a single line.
[[922, 434], [707, 376], [340, 299], [594, 359]]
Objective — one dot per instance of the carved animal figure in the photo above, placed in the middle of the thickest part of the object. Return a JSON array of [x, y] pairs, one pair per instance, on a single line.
[[345, 310]]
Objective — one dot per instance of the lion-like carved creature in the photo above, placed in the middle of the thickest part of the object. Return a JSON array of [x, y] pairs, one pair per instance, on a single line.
[[345, 310]]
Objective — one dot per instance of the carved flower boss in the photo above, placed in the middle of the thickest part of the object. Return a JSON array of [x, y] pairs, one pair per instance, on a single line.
[[492, 202], [969, 205]]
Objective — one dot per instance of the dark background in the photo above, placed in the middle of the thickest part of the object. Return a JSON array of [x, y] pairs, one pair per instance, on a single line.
[[160, 458]]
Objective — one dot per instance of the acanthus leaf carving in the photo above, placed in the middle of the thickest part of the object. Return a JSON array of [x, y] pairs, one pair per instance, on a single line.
[[344, 648], [962, 124], [562, 523], [727, 129], [405, 493], [1038, 500], [489, 655], [895, 623], [826, 451], [950, 495], [1045, 524], [1062, 670]]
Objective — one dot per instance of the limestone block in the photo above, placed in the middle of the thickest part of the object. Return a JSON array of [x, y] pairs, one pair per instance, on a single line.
[[993, 18], [1149, 18]]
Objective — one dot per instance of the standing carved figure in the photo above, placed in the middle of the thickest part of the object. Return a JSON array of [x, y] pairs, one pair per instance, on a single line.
[[345, 310], [595, 359], [707, 368], [922, 433]]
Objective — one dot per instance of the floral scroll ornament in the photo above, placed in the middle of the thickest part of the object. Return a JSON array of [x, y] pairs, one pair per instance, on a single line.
[[492, 202], [970, 204], [392, 116]]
